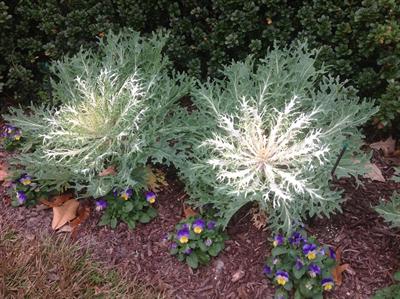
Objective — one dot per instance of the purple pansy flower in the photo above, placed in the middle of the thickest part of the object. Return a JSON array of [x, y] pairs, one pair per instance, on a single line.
[[314, 270], [21, 196], [267, 270], [198, 226], [327, 283], [150, 197], [186, 226], [310, 250], [174, 245], [101, 204], [332, 253], [183, 235], [299, 264], [127, 194], [188, 251], [25, 180], [278, 240], [296, 239], [17, 135], [282, 277], [211, 224], [208, 242]]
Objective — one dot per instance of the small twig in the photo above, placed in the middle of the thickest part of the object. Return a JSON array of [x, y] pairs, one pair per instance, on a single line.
[[338, 160]]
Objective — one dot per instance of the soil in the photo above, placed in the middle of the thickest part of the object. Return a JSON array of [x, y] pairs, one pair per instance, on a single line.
[[368, 245]]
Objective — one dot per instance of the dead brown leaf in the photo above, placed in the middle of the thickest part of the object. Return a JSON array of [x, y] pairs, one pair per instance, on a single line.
[[57, 201], [259, 218], [64, 213], [188, 212], [109, 171], [3, 171], [374, 173], [337, 272], [387, 146], [83, 214], [155, 179]]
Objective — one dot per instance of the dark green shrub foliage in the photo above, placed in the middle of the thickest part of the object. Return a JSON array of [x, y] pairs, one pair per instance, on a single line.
[[360, 39]]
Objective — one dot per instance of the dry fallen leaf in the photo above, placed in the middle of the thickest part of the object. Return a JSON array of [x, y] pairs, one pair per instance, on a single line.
[[3, 171], [57, 201], [64, 213], [155, 179], [374, 173], [109, 171], [259, 218], [83, 214], [339, 269], [188, 212], [388, 146], [337, 273]]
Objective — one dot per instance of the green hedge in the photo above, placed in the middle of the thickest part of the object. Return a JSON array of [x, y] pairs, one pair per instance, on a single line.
[[360, 39]]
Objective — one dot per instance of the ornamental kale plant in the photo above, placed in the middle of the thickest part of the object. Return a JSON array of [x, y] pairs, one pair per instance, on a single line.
[[113, 107], [271, 133], [196, 241], [128, 206], [301, 266], [390, 211]]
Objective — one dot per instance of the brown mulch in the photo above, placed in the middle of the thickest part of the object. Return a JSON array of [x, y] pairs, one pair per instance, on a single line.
[[368, 245]]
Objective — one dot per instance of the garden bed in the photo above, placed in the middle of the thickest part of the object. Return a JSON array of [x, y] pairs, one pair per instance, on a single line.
[[368, 245]]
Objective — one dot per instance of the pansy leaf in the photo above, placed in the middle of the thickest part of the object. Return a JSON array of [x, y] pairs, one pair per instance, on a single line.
[[113, 222], [152, 212], [281, 293], [288, 286], [144, 218], [192, 260], [104, 220], [180, 257], [203, 257], [214, 249], [173, 251], [278, 251], [131, 223], [139, 205], [202, 246], [128, 206], [298, 273]]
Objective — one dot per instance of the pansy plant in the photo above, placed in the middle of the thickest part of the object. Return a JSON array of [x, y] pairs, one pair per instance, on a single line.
[[127, 205], [196, 240], [24, 191], [10, 137], [300, 266]]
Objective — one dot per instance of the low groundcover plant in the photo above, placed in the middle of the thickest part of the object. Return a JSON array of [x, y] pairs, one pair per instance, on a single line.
[[24, 190], [128, 206], [10, 137], [299, 265], [196, 240]]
